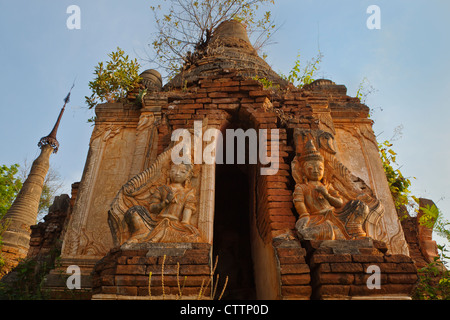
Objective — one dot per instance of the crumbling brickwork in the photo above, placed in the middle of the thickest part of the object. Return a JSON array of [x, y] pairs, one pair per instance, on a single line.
[[154, 271], [422, 247], [341, 273]]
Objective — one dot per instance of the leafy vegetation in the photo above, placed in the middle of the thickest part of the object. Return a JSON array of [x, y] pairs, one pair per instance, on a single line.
[[364, 90], [434, 279], [302, 75], [185, 29], [10, 185], [113, 79], [27, 280], [399, 185]]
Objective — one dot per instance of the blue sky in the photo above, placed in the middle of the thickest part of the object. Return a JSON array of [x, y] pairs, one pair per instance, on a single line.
[[406, 61]]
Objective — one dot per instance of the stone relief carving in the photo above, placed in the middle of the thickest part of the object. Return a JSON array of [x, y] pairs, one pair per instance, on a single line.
[[106, 132], [392, 226], [158, 205], [331, 202], [91, 243]]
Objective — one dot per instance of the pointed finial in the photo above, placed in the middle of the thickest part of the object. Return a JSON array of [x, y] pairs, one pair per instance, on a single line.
[[310, 153], [51, 138]]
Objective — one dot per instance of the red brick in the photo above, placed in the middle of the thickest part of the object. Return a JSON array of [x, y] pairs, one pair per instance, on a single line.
[[251, 87], [348, 267], [157, 269], [195, 270], [107, 280], [286, 204], [280, 198], [125, 280], [297, 279], [203, 100], [127, 291], [172, 281], [210, 106], [285, 219], [178, 122], [107, 290], [191, 257], [137, 260], [141, 281], [225, 100], [218, 95], [133, 253], [251, 82], [320, 258], [130, 269], [335, 278], [361, 278], [330, 291], [368, 258], [408, 278], [296, 292], [386, 289], [398, 258], [282, 225], [291, 259], [294, 269], [279, 192], [223, 89], [179, 116], [225, 83], [280, 212], [276, 178], [259, 93], [389, 267], [277, 185], [291, 251], [229, 106]]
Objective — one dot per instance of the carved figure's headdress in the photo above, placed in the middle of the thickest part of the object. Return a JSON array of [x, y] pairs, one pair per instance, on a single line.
[[310, 153]]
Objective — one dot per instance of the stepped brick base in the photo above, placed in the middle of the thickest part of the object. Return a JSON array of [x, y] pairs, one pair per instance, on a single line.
[[345, 270], [154, 271], [294, 271]]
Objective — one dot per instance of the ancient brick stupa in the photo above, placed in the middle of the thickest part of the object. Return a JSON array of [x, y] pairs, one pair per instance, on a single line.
[[305, 221], [23, 212]]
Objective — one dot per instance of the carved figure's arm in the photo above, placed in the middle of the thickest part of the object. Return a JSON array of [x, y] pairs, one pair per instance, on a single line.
[[299, 202], [331, 195], [189, 208], [157, 203]]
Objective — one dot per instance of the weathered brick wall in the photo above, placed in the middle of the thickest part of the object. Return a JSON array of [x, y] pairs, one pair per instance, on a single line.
[[340, 275], [45, 235], [422, 247], [295, 278], [125, 273]]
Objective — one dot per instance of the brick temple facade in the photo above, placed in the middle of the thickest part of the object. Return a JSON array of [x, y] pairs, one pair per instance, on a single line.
[[245, 219]]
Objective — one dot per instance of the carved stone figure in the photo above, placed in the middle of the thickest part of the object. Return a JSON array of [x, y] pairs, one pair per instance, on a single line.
[[158, 205], [171, 208], [323, 215]]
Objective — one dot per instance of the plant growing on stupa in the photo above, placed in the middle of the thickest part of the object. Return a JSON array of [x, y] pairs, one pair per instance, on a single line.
[[185, 27], [434, 278], [398, 184], [113, 79], [301, 75]]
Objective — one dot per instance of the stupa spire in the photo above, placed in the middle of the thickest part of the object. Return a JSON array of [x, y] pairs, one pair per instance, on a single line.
[[24, 210], [51, 138]]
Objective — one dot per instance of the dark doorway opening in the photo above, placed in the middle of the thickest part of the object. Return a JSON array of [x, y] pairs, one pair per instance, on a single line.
[[232, 232]]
